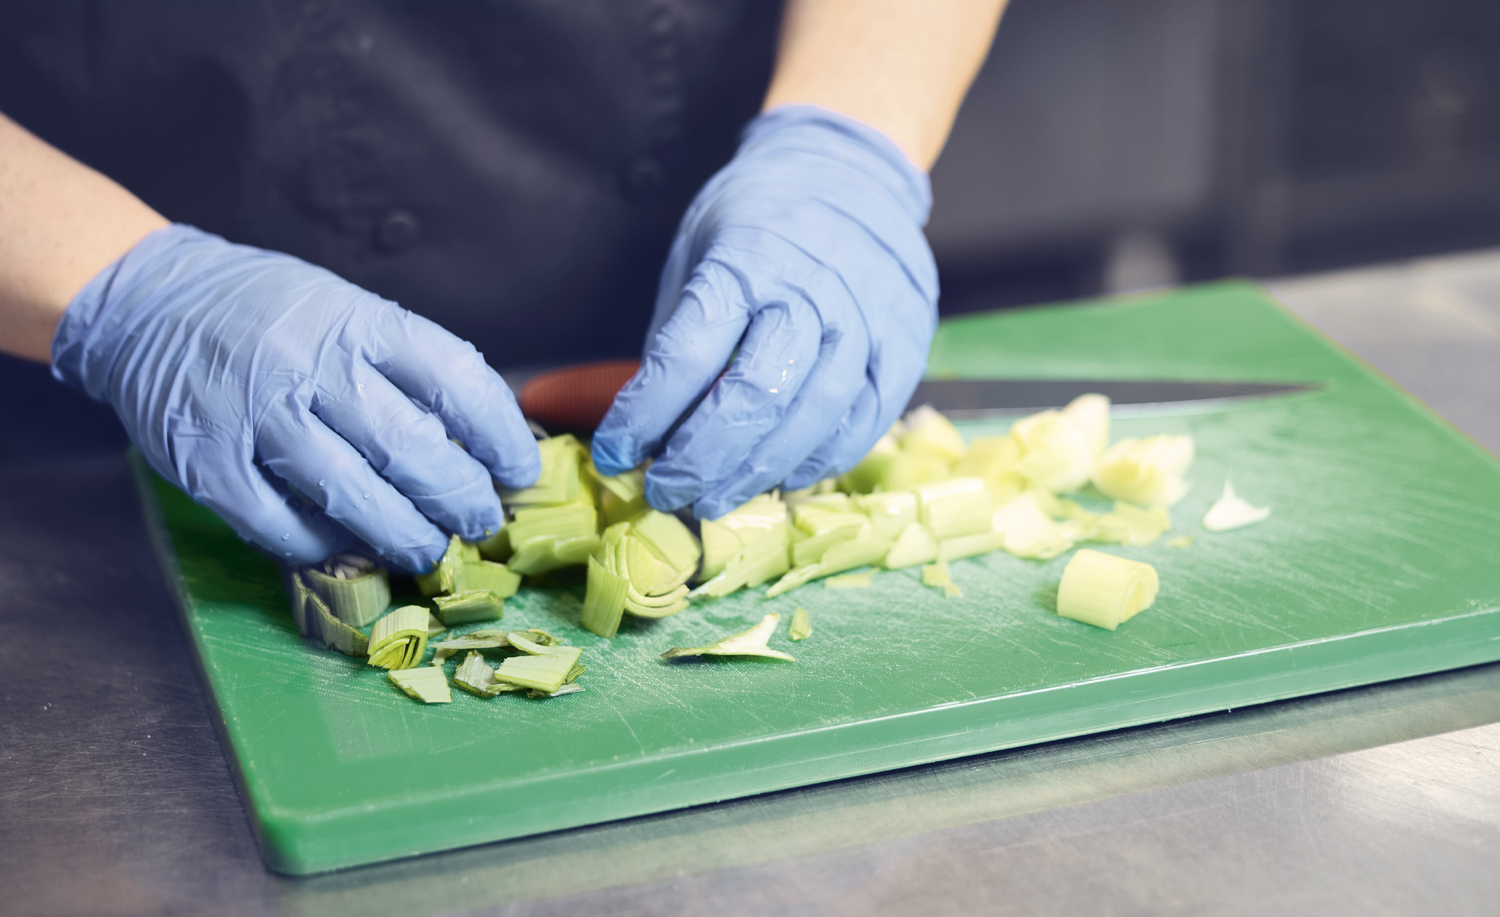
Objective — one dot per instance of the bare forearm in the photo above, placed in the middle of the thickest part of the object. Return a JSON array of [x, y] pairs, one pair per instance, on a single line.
[[60, 224], [901, 66]]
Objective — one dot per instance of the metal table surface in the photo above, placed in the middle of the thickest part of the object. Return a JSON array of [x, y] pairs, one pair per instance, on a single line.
[[115, 797]]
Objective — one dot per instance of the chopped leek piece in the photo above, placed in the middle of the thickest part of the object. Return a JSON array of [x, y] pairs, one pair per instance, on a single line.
[[551, 537], [398, 640], [426, 684], [495, 639], [562, 479], [1104, 590], [849, 581], [442, 577], [894, 471], [889, 511], [1183, 542], [859, 552], [1230, 512], [354, 588], [762, 517], [1028, 532], [545, 672], [937, 575], [764, 558], [1128, 524], [670, 540], [801, 627], [1058, 447], [797, 576], [468, 607], [1146, 472], [478, 678], [321, 623], [961, 546], [496, 547], [487, 576], [655, 606], [604, 602], [928, 433], [957, 506], [811, 548], [747, 643], [915, 545], [434, 626]]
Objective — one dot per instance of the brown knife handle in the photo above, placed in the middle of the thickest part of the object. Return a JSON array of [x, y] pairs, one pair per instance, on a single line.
[[575, 398]]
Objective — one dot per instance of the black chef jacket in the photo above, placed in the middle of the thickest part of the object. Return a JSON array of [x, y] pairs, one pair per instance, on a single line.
[[512, 169]]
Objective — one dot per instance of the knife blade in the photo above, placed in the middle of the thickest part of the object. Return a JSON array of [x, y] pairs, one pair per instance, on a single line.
[[575, 398], [973, 399]]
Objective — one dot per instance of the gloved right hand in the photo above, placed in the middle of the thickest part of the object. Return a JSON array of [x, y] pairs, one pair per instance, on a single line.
[[247, 377]]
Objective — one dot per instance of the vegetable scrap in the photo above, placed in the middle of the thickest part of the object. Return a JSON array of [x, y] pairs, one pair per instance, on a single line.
[[426, 684], [936, 575], [801, 626], [746, 643], [1231, 512]]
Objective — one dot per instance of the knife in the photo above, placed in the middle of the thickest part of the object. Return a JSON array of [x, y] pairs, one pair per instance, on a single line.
[[575, 398]]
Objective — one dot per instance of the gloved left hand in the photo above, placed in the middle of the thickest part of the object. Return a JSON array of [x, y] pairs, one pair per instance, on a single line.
[[806, 253], [248, 377]]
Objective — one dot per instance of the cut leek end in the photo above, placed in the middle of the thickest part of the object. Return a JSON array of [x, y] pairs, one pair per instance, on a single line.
[[746, 643], [1104, 590], [1230, 512], [801, 626], [427, 684]]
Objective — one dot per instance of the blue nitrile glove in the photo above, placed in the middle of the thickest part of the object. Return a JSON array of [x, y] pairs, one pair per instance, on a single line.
[[242, 374], [806, 253]]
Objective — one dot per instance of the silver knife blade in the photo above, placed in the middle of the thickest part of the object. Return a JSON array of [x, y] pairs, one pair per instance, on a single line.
[[971, 399]]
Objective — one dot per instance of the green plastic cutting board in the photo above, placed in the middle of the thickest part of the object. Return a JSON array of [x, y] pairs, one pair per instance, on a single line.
[[1378, 562]]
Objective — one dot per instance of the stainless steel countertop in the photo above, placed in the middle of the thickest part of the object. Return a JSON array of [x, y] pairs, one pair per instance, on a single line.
[[115, 797]]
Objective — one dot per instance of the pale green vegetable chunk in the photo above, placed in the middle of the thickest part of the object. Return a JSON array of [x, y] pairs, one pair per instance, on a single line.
[[1104, 590], [468, 607], [1146, 472], [915, 545], [477, 677], [801, 626], [849, 581], [317, 621], [958, 506], [937, 575], [545, 672], [487, 576], [354, 588], [399, 640], [604, 602], [442, 577], [1127, 524], [747, 643], [426, 684]]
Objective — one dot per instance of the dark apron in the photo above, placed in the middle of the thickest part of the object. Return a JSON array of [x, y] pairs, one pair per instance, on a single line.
[[512, 170]]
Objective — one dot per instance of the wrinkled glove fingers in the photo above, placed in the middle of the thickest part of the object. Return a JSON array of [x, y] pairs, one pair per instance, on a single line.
[[263, 510], [410, 448], [815, 414], [745, 405], [448, 377], [297, 447], [684, 359], [857, 431]]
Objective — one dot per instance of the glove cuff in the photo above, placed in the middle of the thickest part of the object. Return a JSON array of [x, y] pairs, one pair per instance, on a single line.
[[85, 345], [856, 143]]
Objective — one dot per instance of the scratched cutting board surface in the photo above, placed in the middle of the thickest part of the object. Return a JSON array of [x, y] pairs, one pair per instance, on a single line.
[[1378, 562]]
